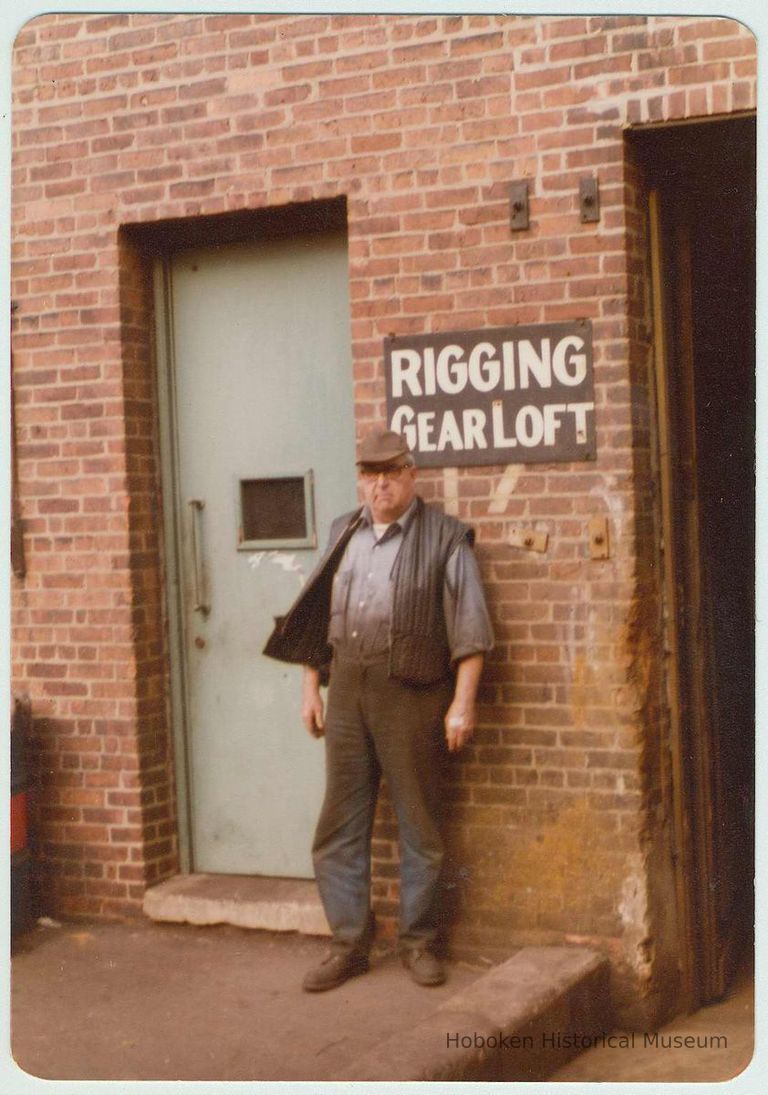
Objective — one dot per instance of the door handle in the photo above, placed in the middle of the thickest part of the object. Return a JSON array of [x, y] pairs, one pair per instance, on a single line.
[[197, 505]]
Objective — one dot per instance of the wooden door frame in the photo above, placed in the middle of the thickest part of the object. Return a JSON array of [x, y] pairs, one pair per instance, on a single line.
[[707, 950], [700, 709], [681, 815]]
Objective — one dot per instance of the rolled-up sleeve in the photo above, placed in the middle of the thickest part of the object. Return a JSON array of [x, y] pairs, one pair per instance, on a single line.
[[466, 613]]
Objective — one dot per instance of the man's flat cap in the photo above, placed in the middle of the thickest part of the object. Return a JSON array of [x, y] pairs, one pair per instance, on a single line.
[[382, 447]]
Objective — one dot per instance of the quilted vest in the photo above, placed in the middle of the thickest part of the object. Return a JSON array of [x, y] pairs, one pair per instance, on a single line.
[[418, 647]]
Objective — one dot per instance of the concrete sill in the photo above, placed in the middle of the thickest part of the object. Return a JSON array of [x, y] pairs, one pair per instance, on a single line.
[[246, 901]]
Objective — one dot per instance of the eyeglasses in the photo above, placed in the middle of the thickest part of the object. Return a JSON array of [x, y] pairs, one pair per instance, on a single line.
[[370, 474]]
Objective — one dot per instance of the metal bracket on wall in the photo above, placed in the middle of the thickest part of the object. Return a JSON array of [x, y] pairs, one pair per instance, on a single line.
[[589, 199], [518, 205], [528, 538], [599, 541]]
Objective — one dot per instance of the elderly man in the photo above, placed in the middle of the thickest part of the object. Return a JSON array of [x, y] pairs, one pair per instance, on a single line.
[[397, 607]]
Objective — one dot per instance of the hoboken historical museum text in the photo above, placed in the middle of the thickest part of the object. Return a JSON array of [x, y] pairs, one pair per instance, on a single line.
[[558, 1039]]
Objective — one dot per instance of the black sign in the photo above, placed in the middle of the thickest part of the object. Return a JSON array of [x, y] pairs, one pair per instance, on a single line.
[[507, 395]]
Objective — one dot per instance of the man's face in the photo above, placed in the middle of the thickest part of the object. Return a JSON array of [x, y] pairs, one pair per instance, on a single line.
[[388, 490]]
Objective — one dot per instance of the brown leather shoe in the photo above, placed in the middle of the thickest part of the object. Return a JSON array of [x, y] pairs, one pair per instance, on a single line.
[[424, 967], [336, 968]]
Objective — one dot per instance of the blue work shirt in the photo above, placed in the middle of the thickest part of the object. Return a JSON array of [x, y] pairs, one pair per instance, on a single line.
[[361, 602]]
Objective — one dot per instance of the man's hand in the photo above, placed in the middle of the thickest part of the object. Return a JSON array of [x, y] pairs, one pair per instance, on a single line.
[[312, 713], [459, 725], [460, 719]]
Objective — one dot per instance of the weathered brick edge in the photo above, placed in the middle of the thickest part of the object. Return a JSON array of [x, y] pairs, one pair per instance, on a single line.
[[540, 991]]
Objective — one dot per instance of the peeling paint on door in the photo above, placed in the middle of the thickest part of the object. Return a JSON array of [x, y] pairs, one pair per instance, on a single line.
[[281, 559]]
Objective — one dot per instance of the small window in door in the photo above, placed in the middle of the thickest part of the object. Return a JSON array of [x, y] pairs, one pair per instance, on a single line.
[[277, 512]]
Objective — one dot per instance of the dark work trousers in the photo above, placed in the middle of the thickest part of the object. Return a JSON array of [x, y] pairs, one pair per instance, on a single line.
[[376, 725]]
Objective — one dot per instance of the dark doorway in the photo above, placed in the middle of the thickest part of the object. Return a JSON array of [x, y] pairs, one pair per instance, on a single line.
[[701, 183]]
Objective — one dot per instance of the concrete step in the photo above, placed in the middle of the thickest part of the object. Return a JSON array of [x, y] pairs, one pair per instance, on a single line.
[[520, 1021], [247, 901]]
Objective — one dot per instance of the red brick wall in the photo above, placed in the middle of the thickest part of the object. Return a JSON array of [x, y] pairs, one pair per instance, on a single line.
[[421, 122]]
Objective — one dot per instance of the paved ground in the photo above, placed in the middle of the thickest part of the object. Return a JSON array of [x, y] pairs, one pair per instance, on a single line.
[[731, 1021], [139, 1000]]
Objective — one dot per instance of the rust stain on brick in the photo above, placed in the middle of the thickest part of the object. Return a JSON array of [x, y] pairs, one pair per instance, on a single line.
[[641, 644], [563, 868], [565, 846]]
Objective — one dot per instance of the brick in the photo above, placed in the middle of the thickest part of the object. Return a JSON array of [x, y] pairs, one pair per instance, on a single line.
[[699, 74], [543, 77], [285, 95], [420, 122], [711, 28], [203, 89]]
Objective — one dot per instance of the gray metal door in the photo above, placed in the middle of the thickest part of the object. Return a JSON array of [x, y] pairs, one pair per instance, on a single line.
[[261, 455]]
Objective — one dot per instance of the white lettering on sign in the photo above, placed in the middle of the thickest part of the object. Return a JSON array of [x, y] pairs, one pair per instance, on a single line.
[[532, 426], [529, 362], [483, 370], [402, 423], [451, 370], [450, 434], [579, 411], [484, 374], [474, 429], [552, 412], [405, 368], [426, 426], [476, 395], [529, 426], [561, 364], [500, 440]]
